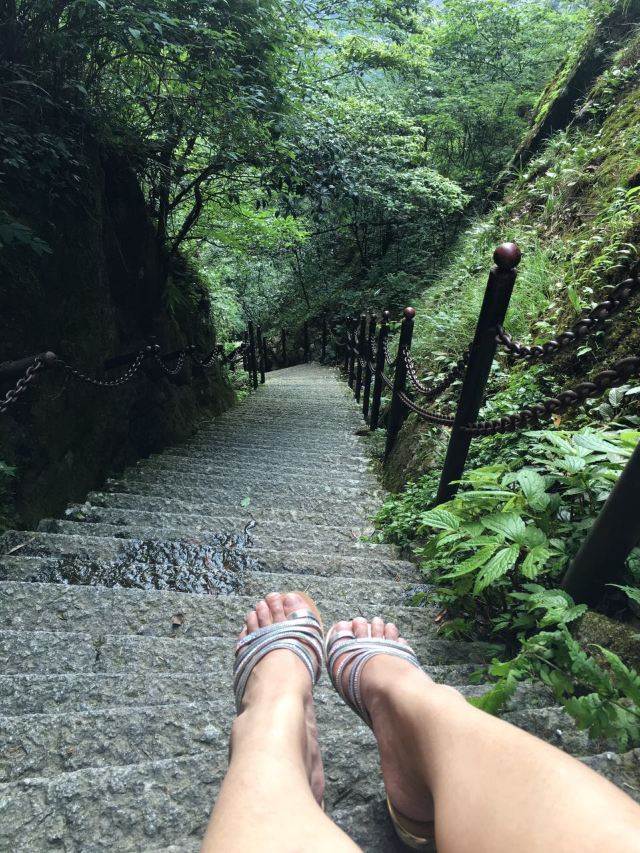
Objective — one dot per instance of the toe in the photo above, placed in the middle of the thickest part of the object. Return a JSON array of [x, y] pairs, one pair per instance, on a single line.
[[251, 621], [264, 614], [391, 632], [361, 627], [377, 627], [292, 601], [276, 606]]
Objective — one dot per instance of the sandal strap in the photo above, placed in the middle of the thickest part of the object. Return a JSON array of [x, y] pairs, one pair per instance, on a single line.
[[301, 635], [358, 651]]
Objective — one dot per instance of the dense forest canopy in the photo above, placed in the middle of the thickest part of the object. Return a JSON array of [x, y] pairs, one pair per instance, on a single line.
[[304, 157]]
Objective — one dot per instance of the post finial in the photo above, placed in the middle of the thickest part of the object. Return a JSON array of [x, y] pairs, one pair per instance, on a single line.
[[507, 256], [386, 315], [409, 313]]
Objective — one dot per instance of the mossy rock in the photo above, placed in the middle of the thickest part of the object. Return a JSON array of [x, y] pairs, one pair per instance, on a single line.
[[623, 639]]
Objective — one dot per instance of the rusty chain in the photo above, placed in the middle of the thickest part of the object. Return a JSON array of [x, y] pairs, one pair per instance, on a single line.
[[611, 378], [21, 385], [391, 362], [426, 414], [594, 320], [434, 392]]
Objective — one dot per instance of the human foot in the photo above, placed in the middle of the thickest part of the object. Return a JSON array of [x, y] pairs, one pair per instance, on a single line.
[[378, 679], [274, 694]]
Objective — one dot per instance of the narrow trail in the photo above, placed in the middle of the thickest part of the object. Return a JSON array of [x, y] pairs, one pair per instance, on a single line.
[[116, 702]]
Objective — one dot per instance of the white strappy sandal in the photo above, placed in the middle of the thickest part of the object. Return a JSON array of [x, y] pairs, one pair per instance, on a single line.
[[301, 633], [358, 651]]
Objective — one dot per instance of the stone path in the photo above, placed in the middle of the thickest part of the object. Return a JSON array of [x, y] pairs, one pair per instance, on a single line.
[[116, 702]]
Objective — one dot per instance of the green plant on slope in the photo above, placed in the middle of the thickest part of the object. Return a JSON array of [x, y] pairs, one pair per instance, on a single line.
[[598, 690]]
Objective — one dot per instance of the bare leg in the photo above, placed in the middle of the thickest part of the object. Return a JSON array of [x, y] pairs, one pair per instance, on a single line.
[[269, 800], [493, 787]]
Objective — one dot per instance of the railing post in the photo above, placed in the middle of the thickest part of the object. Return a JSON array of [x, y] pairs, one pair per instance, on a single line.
[[324, 340], [397, 413], [307, 349], [283, 341], [260, 354], [483, 349], [245, 352], [367, 370], [383, 334], [253, 362], [352, 354], [347, 334], [611, 538], [361, 349]]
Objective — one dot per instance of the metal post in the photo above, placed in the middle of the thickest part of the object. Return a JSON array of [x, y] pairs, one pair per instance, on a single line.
[[324, 340], [361, 351], [347, 335], [253, 362], [483, 350], [611, 538], [367, 370], [260, 346], [397, 413], [352, 350], [283, 340], [307, 349], [265, 357], [380, 362]]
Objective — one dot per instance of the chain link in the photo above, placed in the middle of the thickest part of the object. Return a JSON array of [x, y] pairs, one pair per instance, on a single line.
[[595, 319], [425, 414], [432, 393], [391, 362], [21, 385], [611, 378], [107, 383], [170, 371]]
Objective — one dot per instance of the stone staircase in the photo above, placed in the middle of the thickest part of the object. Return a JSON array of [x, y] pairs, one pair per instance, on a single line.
[[118, 627]]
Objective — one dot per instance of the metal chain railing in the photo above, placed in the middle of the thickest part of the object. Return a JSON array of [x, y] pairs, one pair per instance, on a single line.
[[21, 385], [436, 390], [594, 320], [79, 376], [390, 361]]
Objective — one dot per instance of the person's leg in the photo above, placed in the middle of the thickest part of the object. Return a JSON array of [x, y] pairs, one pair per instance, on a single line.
[[269, 800], [492, 787]]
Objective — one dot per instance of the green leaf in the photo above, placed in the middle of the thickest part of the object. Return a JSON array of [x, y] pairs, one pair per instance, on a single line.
[[509, 524], [136, 34], [535, 561], [593, 441], [472, 563], [244, 503], [498, 566], [632, 591], [441, 519]]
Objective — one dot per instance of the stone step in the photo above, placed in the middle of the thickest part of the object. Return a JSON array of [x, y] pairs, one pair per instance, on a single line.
[[168, 516], [282, 459], [74, 693], [159, 803], [50, 744], [244, 486], [60, 651], [168, 529], [50, 607], [257, 471], [308, 506], [163, 562], [345, 445], [341, 515]]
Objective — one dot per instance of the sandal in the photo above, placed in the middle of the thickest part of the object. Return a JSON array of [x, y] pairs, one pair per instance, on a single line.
[[301, 633], [357, 652]]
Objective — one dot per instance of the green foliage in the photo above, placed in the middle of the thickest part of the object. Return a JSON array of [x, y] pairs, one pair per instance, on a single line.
[[600, 692]]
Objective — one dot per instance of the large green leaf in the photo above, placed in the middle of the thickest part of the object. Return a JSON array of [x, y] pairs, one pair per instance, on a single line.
[[472, 563], [509, 524], [441, 519], [533, 487], [534, 561], [498, 566]]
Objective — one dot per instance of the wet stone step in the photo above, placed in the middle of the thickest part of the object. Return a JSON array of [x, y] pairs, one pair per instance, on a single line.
[[281, 459], [336, 514], [258, 536], [210, 564], [45, 606]]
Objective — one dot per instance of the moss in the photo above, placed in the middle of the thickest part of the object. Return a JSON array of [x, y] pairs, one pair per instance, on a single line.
[[623, 639]]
